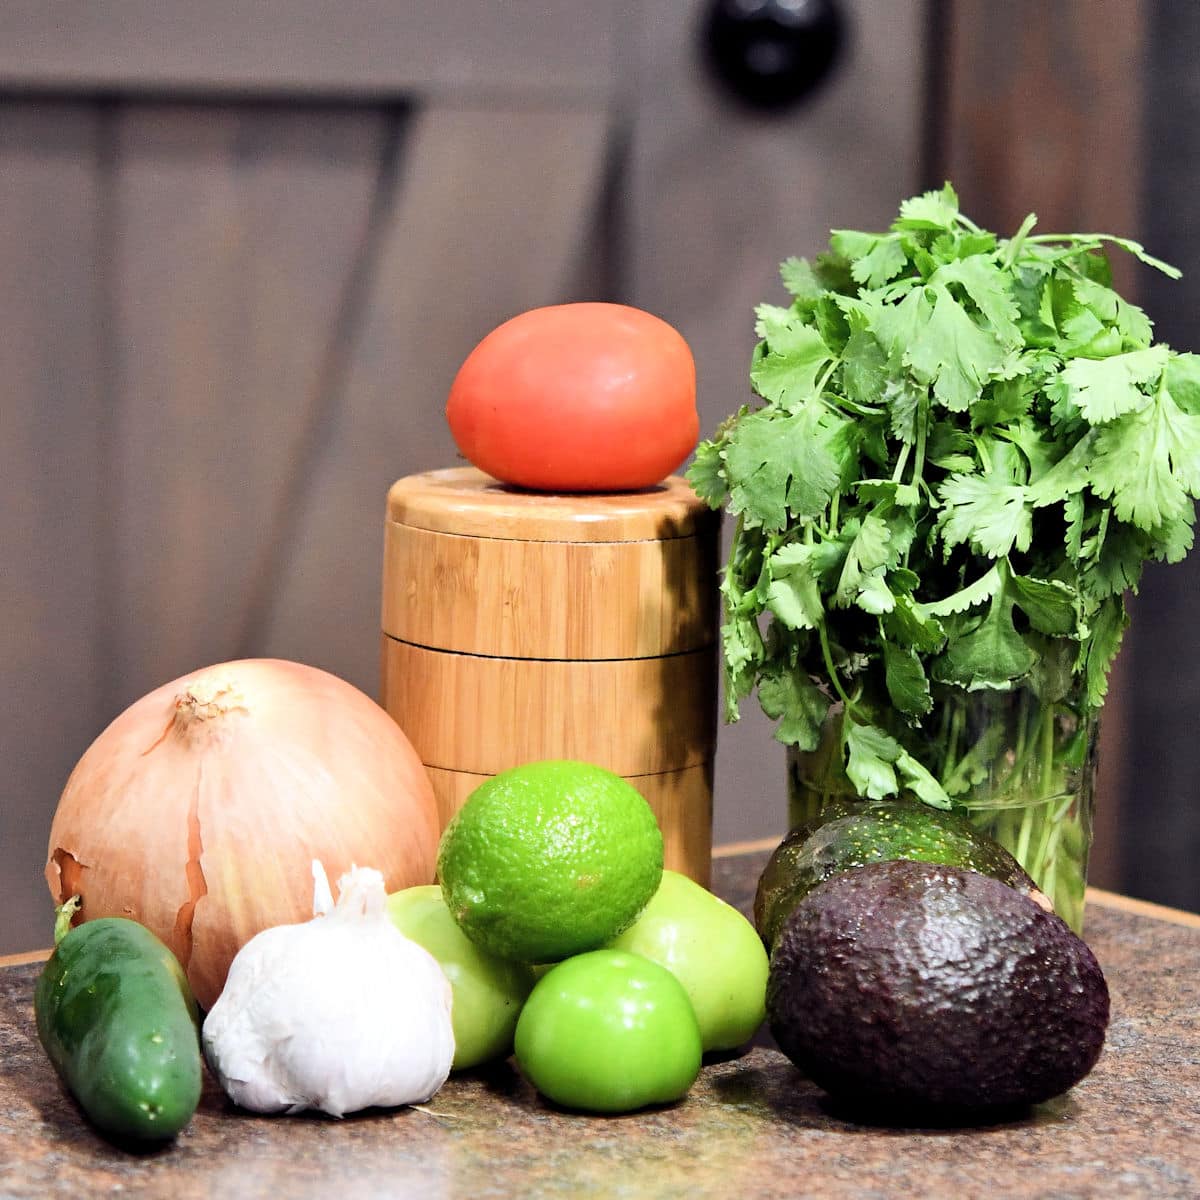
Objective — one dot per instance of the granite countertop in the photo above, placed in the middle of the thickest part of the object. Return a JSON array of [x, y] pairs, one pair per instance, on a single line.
[[752, 1125]]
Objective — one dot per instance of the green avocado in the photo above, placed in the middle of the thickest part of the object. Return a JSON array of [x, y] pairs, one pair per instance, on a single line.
[[852, 833], [906, 987]]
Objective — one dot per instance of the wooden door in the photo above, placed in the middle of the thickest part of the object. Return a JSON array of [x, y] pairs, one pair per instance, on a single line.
[[245, 247]]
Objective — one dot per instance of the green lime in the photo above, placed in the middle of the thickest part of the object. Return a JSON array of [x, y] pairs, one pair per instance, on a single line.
[[712, 950], [487, 991], [609, 1032], [549, 859]]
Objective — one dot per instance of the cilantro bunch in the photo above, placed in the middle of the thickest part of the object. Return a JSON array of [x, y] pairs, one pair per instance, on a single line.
[[966, 449]]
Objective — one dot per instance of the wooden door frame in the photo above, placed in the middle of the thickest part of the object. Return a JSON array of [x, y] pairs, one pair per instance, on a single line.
[[316, 48]]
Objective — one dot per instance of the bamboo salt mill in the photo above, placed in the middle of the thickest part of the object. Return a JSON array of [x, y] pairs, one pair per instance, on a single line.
[[520, 626]]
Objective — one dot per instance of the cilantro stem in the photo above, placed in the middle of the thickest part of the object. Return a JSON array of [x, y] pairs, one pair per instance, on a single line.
[[1018, 240], [1020, 844], [845, 404], [827, 654], [1048, 762], [957, 720], [901, 463], [980, 449], [922, 434], [1078, 240], [834, 363]]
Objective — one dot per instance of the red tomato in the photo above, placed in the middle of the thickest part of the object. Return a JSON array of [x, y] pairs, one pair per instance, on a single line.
[[577, 398]]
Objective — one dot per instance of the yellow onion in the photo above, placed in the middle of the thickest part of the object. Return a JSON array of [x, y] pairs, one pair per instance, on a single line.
[[200, 809]]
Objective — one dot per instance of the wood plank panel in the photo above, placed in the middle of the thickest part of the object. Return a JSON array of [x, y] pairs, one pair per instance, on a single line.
[[488, 219], [52, 539], [237, 229], [1053, 125], [308, 46], [717, 197]]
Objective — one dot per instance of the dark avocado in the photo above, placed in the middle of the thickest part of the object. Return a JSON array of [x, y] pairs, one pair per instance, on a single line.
[[908, 985], [852, 833]]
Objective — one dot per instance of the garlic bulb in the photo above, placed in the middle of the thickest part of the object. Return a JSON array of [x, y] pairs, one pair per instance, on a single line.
[[340, 1013]]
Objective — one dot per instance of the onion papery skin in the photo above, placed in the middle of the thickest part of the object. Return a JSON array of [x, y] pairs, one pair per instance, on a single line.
[[199, 810]]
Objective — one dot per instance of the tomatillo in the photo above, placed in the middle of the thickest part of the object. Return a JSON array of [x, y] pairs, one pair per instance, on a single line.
[[488, 991], [609, 1031], [712, 950]]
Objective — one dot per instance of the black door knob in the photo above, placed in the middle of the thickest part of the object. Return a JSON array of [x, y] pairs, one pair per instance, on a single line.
[[771, 54]]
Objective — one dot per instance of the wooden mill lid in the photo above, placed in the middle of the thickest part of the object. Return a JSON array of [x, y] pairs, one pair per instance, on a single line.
[[475, 567], [465, 501]]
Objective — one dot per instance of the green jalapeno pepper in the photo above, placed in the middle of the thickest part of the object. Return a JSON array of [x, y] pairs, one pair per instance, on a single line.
[[118, 1020]]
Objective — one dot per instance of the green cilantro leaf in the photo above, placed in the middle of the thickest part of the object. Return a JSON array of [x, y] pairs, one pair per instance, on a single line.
[[1108, 627], [989, 287], [871, 755], [950, 448], [786, 368], [868, 554], [864, 368], [874, 596], [991, 655], [1148, 462], [706, 475], [799, 279], [880, 262], [905, 402], [790, 697], [1070, 475], [794, 595], [1116, 564], [1051, 605], [910, 625], [906, 681], [899, 323], [932, 210], [1131, 247], [988, 511], [1173, 539], [983, 589], [1183, 382], [1112, 311], [1102, 389], [954, 354], [743, 653], [1005, 400], [1075, 515], [922, 783], [781, 464]]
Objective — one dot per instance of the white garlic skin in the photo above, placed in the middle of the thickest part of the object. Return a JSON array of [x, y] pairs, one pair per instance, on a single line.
[[338, 1014]]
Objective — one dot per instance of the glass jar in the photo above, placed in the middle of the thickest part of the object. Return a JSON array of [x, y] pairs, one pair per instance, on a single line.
[[1020, 767]]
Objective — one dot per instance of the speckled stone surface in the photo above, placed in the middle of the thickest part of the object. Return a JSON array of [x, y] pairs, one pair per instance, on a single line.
[[752, 1125]]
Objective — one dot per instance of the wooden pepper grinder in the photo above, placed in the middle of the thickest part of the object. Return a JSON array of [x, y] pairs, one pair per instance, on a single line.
[[520, 626]]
